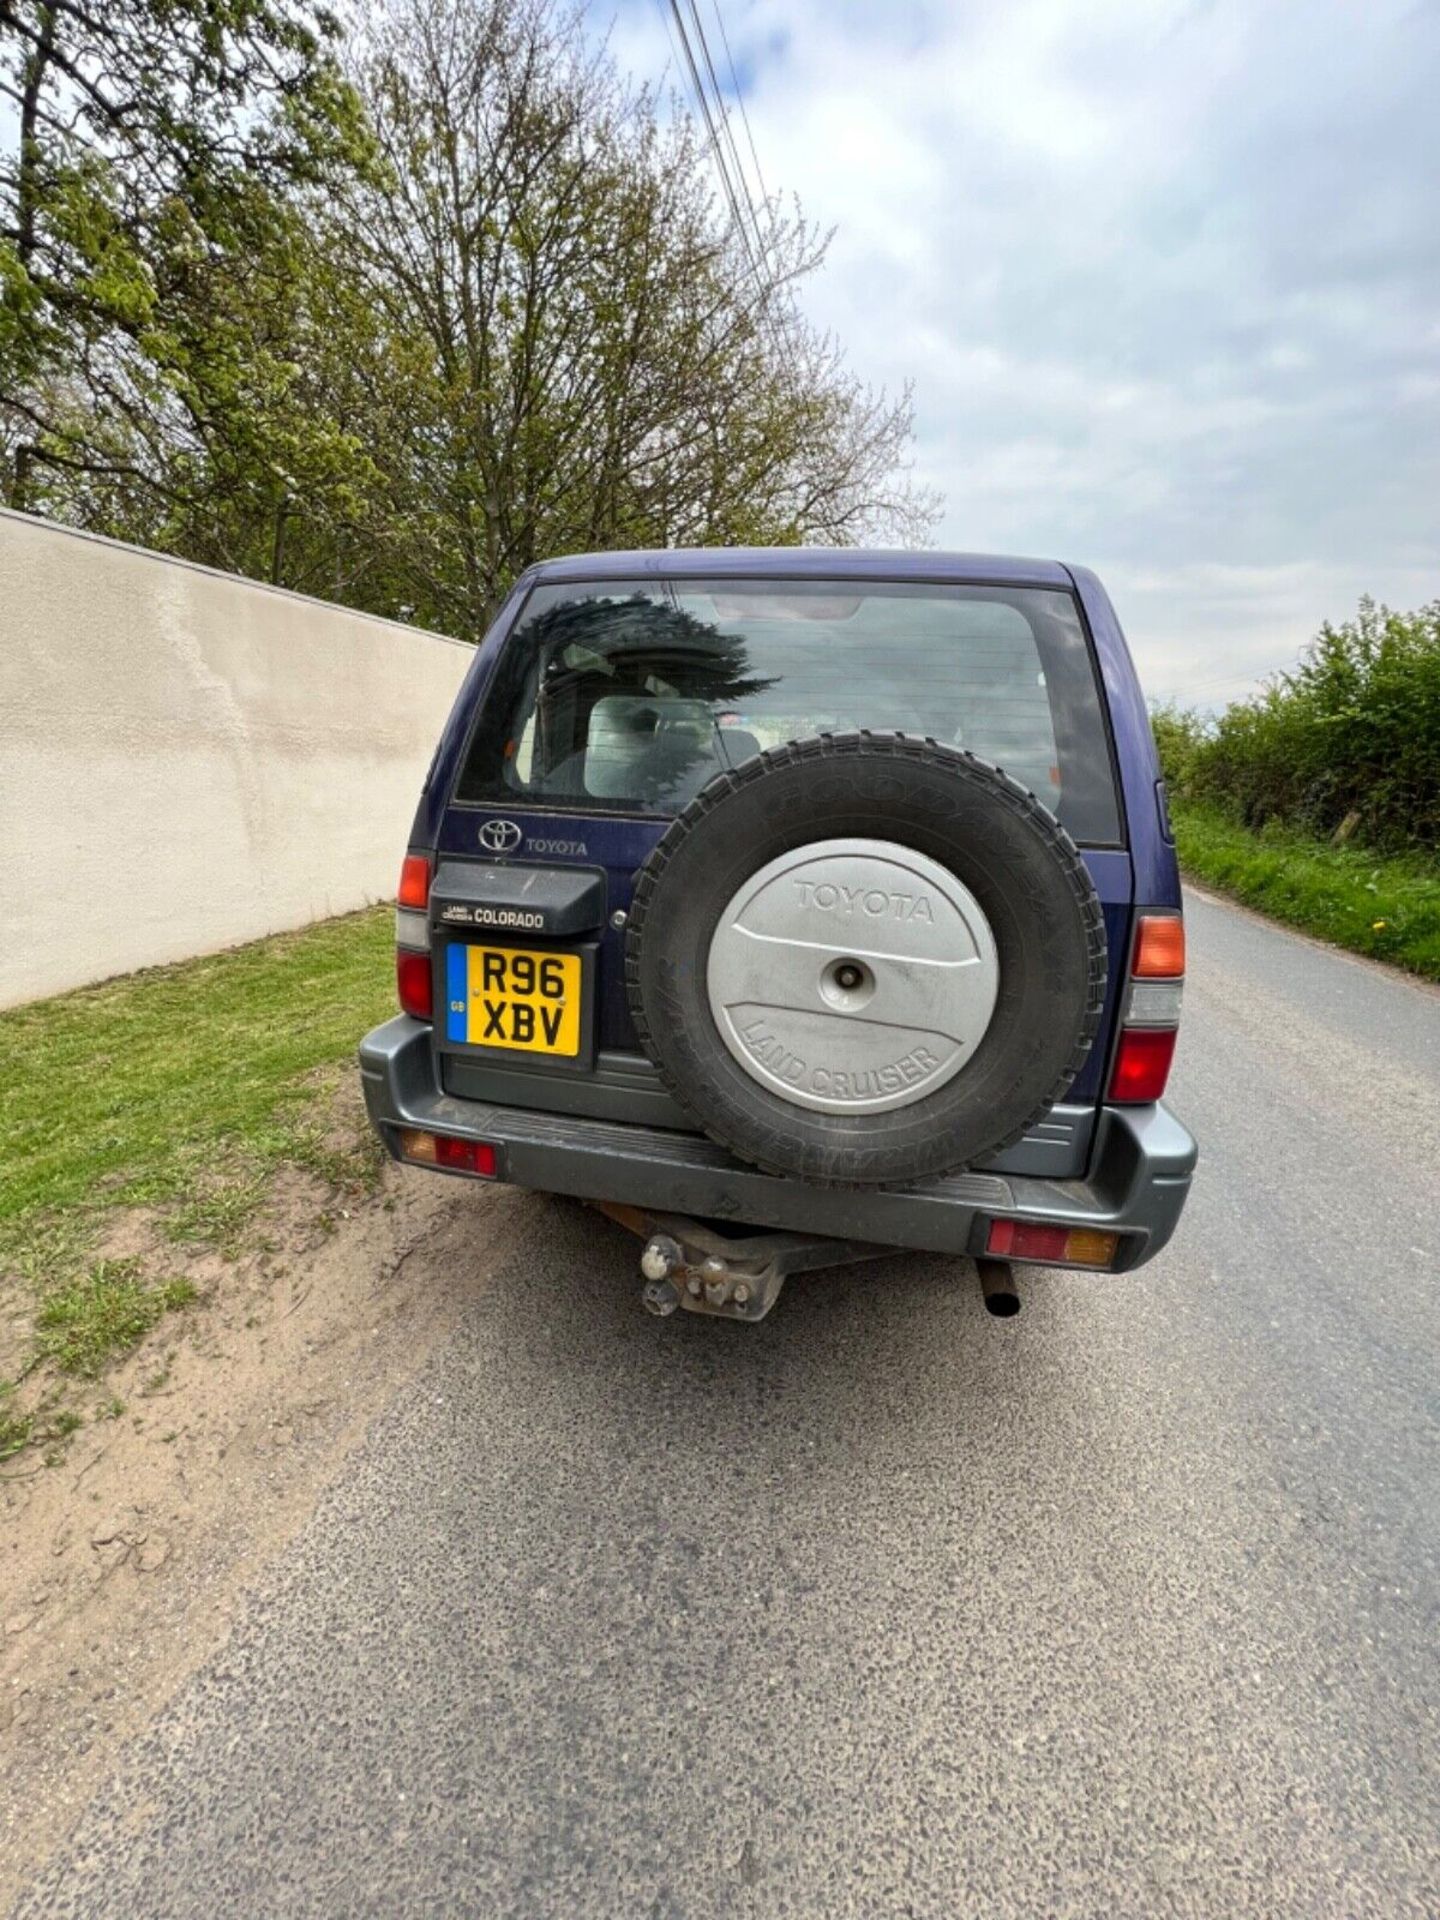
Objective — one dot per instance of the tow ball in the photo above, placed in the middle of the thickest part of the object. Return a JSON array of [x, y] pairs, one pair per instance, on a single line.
[[703, 1267]]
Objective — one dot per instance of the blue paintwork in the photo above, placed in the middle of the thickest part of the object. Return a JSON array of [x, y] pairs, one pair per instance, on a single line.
[[808, 563], [1157, 872], [425, 833], [1143, 874]]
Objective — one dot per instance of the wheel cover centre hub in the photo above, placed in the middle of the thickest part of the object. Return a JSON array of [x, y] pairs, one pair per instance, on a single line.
[[852, 976]]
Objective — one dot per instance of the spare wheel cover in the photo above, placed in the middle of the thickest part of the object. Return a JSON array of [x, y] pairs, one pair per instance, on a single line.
[[797, 1001], [852, 976]]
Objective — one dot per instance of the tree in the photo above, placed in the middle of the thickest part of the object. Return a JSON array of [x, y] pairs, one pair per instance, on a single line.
[[148, 230], [392, 318], [591, 360]]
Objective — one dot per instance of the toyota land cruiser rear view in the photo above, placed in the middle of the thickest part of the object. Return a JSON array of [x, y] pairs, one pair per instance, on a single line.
[[825, 900]]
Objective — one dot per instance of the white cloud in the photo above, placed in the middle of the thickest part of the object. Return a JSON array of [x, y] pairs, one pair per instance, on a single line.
[[1164, 274]]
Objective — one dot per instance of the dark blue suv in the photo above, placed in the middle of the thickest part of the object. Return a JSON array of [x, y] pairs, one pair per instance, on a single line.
[[794, 904]]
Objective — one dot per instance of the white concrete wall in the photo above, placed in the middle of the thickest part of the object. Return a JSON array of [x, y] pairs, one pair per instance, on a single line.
[[189, 760]]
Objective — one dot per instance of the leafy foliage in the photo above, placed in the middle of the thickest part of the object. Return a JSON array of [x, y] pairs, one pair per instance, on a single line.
[[388, 318], [1319, 801], [1180, 737], [150, 225], [1348, 743]]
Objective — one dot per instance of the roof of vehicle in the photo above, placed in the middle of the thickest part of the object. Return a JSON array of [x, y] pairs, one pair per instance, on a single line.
[[804, 563]]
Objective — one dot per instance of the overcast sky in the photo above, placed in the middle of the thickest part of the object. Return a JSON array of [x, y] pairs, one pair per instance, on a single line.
[[1165, 277]]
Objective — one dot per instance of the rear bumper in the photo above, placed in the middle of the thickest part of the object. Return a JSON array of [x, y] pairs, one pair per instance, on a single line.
[[1140, 1168]]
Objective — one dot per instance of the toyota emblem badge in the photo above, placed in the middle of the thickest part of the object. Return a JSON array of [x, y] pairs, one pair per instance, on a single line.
[[500, 836]]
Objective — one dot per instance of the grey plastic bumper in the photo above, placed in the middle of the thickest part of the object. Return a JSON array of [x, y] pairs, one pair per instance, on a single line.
[[1140, 1168]]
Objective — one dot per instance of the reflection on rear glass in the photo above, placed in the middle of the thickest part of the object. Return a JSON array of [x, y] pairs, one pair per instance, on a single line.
[[616, 692]]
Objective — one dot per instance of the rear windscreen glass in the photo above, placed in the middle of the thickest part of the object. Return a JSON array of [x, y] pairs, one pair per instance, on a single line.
[[626, 697]]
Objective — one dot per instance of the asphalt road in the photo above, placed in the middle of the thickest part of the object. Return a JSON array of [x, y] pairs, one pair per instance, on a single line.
[[1125, 1607]]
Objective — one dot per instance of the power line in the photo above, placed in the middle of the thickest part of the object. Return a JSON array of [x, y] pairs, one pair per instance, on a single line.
[[769, 291], [740, 102], [733, 180], [702, 102], [724, 112], [734, 183], [1220, 680]]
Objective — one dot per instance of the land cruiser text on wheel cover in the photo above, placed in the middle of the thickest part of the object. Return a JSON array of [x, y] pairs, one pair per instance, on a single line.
[[865, 959]]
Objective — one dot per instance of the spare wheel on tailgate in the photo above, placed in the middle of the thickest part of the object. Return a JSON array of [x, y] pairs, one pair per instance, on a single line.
[[865, 959]]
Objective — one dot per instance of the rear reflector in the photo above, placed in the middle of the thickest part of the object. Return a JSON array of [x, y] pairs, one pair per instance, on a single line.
[[414, 881], [1154, 1003], [1070, 1246], [412, 982], [1142, 1064], [444, 1150], [411, 929], [1159, 947]]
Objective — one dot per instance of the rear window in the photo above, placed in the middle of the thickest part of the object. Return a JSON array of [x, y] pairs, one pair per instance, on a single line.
[[627, 696]]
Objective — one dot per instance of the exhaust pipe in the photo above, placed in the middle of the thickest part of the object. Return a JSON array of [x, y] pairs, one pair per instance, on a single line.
[[997, 1284]]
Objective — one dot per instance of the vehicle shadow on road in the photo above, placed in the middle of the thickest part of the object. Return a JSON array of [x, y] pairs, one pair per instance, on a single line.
[[876, 1367]]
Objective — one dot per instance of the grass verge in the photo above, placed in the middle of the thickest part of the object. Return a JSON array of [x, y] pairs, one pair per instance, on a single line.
[[102, 1313], [1388, 909], [180, 1090]]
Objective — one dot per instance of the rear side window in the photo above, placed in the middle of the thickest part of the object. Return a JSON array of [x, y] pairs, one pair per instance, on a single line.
[[626, 697]]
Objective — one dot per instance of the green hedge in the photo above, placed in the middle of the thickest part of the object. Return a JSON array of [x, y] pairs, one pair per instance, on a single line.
[[1347, 743], [1318, 801]]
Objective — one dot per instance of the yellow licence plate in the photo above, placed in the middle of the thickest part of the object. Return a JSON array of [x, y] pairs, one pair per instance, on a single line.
[[508, 997]]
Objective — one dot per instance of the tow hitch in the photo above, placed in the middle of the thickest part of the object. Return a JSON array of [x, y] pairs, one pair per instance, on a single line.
[[691, 1264]]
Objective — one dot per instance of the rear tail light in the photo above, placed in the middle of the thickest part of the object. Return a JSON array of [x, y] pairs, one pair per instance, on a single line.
[[1051, 1245], [445, 1150], [413, 984], [1142, 1064], [1150, 1011], [412, 938], [414, 889]]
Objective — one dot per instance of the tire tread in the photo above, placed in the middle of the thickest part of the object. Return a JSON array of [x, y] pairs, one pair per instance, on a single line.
[[910, 747]]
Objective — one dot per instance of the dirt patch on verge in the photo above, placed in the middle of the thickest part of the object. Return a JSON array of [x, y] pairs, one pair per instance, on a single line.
[[122, 1565]]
